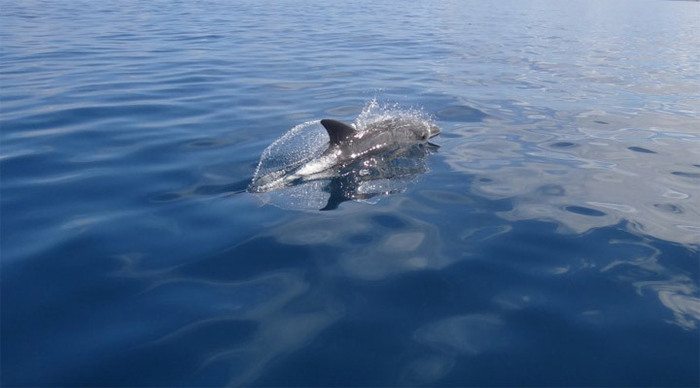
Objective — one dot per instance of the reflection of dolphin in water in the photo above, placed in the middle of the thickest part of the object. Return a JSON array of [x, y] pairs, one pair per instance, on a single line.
[[384, 174], [354, 156]]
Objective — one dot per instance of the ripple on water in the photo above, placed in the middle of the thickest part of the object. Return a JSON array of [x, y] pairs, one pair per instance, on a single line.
[[446, 197], [564, 144], [470, 334], [63, 120], [584, 211], [461, 113], [426, 369], [552, 190], [205, 143], [344, 111], [396, 243], [641, 149], [684, 174], [167, 197], [669, 207]]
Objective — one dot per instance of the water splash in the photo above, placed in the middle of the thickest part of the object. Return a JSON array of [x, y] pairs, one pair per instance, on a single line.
[[375, 111], [363, 179], [296, 147]]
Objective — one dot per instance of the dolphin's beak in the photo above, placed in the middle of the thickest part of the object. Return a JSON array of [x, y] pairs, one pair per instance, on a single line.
[[434, 131]]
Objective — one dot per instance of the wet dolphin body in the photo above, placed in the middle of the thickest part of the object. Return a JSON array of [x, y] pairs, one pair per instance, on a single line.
[[348, 145], [388, 174]]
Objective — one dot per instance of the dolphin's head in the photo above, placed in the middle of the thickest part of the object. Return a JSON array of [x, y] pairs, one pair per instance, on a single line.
[[434, 130], [424, 131]]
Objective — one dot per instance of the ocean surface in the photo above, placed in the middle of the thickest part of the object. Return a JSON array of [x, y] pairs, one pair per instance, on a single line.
[[552, 239]]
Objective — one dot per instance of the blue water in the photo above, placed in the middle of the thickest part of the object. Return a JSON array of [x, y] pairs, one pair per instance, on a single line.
[[553, 239]]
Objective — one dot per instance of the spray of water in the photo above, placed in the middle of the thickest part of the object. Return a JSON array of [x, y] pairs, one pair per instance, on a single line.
[[375, 112]]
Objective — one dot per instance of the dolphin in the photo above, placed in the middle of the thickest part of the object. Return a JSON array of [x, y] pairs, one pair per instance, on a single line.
[[348, 145]]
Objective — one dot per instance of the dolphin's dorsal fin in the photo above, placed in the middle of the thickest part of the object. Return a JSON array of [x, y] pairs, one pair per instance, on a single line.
[[337, 131]]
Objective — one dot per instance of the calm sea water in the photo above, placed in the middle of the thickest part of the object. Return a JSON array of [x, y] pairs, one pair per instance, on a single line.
[[553, 240]]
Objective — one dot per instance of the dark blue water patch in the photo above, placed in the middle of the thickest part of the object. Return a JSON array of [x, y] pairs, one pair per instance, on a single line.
[[678, 256], [249, 259], [64, 260], [339, 357], [126, 37], [528, 252], [564, 144], [167, 197], [361, 238], [584, 211], [669, 207], [180, 353], [416, 299], [42, 325], [34, 163], [685, 174], [641, 149], [594, 363]]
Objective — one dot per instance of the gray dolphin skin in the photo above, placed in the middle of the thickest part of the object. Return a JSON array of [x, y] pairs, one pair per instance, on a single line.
[[347, 145]]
